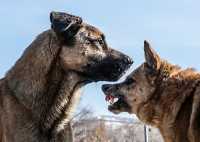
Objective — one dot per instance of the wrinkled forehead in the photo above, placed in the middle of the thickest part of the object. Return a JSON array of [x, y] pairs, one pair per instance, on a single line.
[[91, 31]]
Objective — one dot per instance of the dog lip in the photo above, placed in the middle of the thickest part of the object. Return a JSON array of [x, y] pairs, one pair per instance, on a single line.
[[119, 106], [109, 97]]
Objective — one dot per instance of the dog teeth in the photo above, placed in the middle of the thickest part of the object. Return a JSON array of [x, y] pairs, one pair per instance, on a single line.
[[115, 100], [111, 99]]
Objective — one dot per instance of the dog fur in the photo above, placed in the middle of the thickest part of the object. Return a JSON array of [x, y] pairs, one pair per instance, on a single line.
[[39, 93], [162, 95]]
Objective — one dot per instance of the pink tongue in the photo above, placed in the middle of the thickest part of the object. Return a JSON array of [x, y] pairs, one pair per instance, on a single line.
[[109, 98]]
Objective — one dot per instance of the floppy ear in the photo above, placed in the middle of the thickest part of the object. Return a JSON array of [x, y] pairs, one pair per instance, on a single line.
[[65, 24], [152, 58]]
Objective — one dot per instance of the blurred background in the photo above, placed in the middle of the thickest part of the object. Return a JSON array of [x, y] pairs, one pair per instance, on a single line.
[[172, 27]]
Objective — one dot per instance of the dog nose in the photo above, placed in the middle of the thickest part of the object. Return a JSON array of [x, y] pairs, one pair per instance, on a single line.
[[106, 87], [128, 60]]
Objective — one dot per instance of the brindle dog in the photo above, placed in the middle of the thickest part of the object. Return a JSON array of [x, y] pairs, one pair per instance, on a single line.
[[39, 93], [162, 95]]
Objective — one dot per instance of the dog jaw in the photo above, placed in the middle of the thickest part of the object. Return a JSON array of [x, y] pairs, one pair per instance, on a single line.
[[117, 101]]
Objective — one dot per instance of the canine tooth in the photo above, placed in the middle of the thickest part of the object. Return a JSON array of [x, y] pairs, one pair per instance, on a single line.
[[115, 100], [112, 100]]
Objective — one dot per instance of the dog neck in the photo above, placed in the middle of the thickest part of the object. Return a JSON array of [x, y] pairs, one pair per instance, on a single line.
[[57, 114], [170, 107], [40, 84]]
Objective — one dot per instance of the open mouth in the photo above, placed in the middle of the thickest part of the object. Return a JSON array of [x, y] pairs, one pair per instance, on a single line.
[[117, 103]]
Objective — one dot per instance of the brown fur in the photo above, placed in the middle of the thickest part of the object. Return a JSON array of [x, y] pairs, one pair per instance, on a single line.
[[162, 95], [39, 93]]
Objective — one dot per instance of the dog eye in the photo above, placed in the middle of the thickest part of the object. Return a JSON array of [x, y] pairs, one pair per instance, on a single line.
[[87, 41], [101, 42], [130, 81]]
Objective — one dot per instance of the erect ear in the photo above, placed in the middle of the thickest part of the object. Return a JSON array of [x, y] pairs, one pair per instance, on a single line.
[[152, 58], [65, 24]]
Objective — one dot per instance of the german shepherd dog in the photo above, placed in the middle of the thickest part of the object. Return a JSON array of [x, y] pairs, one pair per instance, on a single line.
[[39, 93], [162, 95]]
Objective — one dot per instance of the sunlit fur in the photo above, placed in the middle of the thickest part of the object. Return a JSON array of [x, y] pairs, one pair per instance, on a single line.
[[39, 93], [165, 96]]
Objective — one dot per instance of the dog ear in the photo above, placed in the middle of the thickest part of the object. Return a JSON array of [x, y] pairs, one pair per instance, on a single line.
[[65, 24], [152, 58]]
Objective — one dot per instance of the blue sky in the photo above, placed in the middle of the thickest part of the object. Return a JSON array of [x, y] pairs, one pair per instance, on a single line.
[[172, 26]]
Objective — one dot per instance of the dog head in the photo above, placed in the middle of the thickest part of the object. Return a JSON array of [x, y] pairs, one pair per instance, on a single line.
[[84, 49], [138, 87]]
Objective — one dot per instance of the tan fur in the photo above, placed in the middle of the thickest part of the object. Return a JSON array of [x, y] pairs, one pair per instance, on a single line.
[[39, 93], [162, 95]]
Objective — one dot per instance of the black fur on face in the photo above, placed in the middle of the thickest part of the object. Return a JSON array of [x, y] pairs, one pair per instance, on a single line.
[[90, 56], [110, 68]]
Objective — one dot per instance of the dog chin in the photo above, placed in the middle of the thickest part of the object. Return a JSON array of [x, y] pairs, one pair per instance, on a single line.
[[115, 111], [101, 76], [111, 77]]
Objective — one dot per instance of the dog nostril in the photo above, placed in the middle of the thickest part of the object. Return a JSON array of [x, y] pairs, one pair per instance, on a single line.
[[105, 88]]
